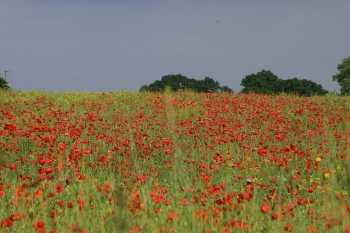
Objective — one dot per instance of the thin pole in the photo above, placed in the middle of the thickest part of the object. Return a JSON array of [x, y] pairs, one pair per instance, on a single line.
[[6, 74]]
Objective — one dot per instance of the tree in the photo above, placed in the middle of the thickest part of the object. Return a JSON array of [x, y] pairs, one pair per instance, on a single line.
[[264, 82], [226, 89], [345, 88], [310, 88], [289, 86], [207, 85], [175, 82], [180, 82], [343, 76], [301, 87], [4, 84]]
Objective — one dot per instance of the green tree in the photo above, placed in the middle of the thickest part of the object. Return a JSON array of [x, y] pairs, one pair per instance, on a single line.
[[289, 86], [343, 76], [345, 88], [4, 84], [207, 85], [301, 87], [310, 88], [180, 82], [175, 82], [264, 82], [226, 89]]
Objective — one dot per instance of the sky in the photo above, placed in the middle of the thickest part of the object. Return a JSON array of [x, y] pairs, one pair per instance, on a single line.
[[102, 45]]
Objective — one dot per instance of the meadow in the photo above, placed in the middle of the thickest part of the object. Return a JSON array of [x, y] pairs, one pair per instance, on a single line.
[[174, 162]]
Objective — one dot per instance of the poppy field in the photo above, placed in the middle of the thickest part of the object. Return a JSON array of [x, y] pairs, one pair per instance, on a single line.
[[174, 162]]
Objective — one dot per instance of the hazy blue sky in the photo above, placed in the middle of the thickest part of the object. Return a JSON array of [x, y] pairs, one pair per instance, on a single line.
[[125, 44]]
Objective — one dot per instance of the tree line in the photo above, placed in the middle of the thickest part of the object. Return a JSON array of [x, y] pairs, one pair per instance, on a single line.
[[263, 82]]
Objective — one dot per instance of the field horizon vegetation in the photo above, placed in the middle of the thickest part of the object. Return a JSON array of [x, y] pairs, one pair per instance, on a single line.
[[173, 162]]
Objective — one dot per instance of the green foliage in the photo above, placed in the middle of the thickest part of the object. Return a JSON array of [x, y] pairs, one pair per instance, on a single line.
[[180, 82], [262, 82], [302, 87], [343, 76], [4, 84], [265, 82], [226, 89], [345, 88], [207, 85]]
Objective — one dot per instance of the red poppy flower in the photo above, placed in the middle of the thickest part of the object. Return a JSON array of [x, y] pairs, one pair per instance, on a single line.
[[6, 222], [59, 188], [312, 228], [13, 166], [290, 207], [70, 204], [294, 192], [265, 208], [171, 216], [274, 216], [156, 210], [183, 201]]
